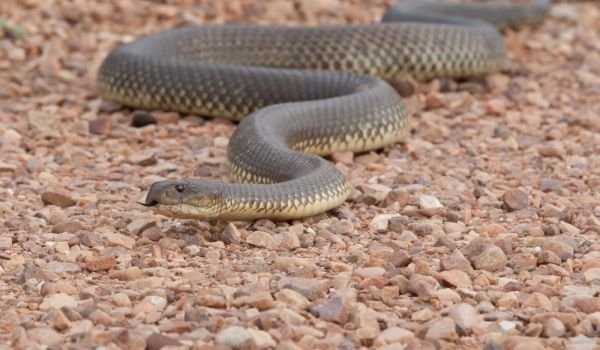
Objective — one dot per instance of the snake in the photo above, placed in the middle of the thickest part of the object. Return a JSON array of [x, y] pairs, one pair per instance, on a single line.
[[299, 94]]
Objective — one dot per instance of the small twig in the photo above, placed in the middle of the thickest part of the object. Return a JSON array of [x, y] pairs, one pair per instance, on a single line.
[[15, 30]]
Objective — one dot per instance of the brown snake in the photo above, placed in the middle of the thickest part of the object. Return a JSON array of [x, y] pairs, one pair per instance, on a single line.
[[299, 90]]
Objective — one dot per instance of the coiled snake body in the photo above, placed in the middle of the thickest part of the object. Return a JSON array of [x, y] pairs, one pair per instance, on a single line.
[[304, 90]]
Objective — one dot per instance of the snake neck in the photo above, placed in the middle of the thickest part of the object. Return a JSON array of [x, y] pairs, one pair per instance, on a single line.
[[291, 199]]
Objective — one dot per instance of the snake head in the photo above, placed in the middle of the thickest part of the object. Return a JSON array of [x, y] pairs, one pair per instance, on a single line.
[[185, 199]]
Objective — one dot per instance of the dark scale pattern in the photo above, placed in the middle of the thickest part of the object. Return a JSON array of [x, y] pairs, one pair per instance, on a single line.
[[238, 70]]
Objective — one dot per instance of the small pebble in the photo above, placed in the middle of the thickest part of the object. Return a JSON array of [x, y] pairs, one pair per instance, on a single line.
[[309, 288], [117, 239], [292, 299], [101, 263], [141, 119], [456, 278], [491, 259], [58, 198], [429, 202], [422, 286], [262, 240], [233, 336], [380, 222], [231, 234], [128, 274], [369, 272], [394, 335], [101, 125], [60, 267], [562, 250], [554, 328], [400, 258], [442, 329], [464, 315], [157, 341], [57, 301], [515, 199], [333, 310]]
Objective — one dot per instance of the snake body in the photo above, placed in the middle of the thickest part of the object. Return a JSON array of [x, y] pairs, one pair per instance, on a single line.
[[300, 93]]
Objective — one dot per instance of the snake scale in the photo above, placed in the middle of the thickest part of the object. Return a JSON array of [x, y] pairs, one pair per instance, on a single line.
[[301, 93]]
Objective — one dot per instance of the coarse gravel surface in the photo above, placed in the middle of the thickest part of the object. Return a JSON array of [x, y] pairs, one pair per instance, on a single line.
[[480, 230]]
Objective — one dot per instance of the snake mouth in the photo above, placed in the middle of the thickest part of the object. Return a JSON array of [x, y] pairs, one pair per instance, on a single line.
[[151, 203], [182, 211], [165, 209]]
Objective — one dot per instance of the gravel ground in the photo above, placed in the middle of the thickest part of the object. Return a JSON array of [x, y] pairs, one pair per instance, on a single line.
[[480, 230]]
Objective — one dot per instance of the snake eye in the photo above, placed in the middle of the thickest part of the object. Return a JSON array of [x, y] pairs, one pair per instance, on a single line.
[[179, 188]]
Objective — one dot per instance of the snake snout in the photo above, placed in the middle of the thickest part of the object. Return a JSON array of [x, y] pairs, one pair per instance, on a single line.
[[148, 204], [185, 198], [167, 192]]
